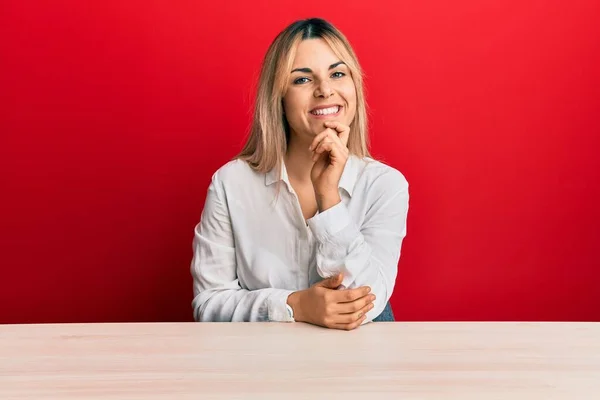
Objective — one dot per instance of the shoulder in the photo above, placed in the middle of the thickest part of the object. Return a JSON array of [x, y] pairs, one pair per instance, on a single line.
[[235, 174], [380, 176], [233, 170]]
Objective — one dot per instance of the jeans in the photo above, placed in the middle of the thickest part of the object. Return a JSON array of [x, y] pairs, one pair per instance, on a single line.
[[386, 314]]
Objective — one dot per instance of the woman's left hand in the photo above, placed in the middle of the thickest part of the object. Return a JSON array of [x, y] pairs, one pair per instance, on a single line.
[[330, 154]]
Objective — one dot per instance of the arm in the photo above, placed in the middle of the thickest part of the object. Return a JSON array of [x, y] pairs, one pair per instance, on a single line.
[[369, 254], [217, 292]]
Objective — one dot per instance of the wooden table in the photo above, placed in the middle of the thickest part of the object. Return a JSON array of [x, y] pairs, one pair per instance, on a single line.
[[298, 361]]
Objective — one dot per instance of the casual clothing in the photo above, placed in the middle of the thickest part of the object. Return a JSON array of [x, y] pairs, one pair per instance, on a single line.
[[253, 247]]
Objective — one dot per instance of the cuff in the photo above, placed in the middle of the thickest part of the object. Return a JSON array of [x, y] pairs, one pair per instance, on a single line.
[[276, 305], [331, 221]]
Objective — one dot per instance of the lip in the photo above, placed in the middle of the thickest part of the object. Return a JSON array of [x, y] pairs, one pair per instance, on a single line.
[[326, 106]]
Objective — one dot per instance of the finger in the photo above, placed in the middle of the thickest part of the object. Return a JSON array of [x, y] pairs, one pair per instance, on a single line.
[[320, 137], [350, 326], [335, 148], [324, 146], [336, 151], [343, 150], [349, 295], [354, 316], [356, 305], [332, 282], [328, 132], [342, 130]]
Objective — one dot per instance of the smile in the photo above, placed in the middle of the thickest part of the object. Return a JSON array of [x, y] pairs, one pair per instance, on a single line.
[[326, 112]]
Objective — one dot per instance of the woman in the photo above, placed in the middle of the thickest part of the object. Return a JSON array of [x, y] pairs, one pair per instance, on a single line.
[[302, 225]]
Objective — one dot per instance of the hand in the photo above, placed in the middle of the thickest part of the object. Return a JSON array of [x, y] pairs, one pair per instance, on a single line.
[[323, 305], [330, 154]]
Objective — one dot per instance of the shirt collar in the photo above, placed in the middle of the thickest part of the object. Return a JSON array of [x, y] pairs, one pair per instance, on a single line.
[[347, 181]]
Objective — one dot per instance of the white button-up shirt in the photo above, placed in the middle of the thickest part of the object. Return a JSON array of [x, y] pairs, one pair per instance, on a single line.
[[252, 250]]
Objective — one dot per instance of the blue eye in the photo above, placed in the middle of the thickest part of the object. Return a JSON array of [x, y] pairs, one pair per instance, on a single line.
[[336, 75]]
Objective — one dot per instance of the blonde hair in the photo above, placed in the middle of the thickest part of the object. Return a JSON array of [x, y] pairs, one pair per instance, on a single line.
[[269, 133]]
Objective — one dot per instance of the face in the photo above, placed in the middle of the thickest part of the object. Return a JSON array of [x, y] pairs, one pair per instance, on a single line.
[[320, 89]]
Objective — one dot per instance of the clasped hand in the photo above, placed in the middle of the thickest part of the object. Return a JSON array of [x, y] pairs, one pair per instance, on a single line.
[[323, 304]]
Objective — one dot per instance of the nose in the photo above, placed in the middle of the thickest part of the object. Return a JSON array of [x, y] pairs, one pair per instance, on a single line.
[[323, 90]]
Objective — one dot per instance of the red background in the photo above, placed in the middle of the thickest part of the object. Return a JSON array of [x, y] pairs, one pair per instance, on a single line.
[[115, 114]]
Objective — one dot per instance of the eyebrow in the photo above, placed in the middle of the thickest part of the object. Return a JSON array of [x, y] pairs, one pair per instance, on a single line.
[[309, 71]]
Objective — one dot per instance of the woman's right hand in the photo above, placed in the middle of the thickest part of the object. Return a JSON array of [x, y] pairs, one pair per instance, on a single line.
[[322, 304]]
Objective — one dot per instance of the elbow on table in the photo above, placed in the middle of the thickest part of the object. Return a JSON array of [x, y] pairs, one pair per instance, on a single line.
[[200, 311]]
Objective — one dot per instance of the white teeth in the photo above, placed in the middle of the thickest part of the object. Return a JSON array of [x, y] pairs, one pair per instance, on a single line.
[[327, 111]]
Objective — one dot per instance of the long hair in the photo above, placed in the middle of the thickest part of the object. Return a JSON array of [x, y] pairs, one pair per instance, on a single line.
[[269, 133]]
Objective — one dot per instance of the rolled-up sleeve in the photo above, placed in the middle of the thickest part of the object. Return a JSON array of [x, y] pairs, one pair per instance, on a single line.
[[367, 255], [218, 295]]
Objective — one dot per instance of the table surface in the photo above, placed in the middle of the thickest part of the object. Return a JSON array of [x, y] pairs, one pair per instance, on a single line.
[[408, 360]]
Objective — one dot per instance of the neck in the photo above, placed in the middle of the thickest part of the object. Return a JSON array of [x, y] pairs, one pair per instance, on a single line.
[[298, 159]]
